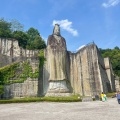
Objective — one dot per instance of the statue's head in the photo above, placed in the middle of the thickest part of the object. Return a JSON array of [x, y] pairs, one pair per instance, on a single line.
[[56, 30]]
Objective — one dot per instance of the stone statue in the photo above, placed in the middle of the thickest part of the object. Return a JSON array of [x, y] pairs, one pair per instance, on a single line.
[[56, 30], [56, 51]]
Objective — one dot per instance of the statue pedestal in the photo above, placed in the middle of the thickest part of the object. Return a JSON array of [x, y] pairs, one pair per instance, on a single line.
[[58, 88]]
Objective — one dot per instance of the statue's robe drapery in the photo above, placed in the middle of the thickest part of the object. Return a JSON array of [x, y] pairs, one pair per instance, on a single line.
[[56, 48]]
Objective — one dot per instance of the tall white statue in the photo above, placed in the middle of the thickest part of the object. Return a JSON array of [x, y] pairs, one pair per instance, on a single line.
[[56, 51]]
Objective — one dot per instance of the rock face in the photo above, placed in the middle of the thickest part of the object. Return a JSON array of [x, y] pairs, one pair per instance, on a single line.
[[11, 52], [110, 73], [29, 88], [83, 72], [88, 76], [117, 83], [64, 73]]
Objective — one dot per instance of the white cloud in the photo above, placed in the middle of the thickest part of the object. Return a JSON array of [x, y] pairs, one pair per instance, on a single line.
[[80, 47], [111, 3], [66, 25]]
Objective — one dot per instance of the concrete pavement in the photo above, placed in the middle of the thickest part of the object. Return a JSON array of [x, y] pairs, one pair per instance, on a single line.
[[95, 110]]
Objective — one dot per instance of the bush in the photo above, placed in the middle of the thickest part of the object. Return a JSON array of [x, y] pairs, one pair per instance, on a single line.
[[40, 99], [110, 94]]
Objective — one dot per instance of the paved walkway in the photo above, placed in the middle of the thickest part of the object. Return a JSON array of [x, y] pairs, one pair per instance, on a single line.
[[95, 110]]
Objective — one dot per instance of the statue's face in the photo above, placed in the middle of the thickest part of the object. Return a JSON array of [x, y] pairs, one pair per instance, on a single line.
[[57, 30]]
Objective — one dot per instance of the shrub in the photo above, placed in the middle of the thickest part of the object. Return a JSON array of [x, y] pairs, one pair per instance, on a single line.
[[39, 99]]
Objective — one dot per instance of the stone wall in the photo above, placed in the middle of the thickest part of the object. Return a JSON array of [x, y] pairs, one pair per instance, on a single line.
[[11, 52], [86, 72], [5, 60], [105, 83], [27, 89], [110, 73], [117, 83]]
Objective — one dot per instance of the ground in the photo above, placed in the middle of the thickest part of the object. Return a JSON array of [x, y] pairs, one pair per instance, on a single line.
[[95, 110]]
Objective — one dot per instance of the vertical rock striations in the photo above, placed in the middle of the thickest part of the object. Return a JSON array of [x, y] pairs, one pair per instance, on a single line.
[[87, 71], [84, 72], [10, 49], [11, 52]]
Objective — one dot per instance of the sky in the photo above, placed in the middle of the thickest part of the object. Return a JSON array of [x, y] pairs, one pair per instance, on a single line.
[[81, 21]]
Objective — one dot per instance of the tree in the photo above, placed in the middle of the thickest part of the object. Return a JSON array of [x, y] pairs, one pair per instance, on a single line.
[[32, 33], [5, 29], [114, 55], [13, 29], [35, 40], [39, 43], [16, 26], [21, 37], [117, 48]]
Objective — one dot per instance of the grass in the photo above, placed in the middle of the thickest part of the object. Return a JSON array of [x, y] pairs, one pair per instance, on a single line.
[[110, 94], [41, 99], [72, 98]]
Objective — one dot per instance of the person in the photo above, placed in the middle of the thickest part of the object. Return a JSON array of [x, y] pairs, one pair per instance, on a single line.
[[118, 97], [105, 97], [102, 96]]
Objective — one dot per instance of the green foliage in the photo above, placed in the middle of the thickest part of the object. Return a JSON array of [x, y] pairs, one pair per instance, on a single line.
[[114, 55], [40, 99], [7, 72], [110, 94], [30, 39], [5, 29], [62, 99], [35, 74], [16, 73], [35, 40], [28, 72], [1, 89], [21, 37], [41, 57], [32, 33], [39, 43]]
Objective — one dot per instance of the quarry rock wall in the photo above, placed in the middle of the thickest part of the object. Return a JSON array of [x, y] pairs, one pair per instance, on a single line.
[[117, 83], [29, 88], [85, 73], [10, 52], [110, 73], [88, 74]]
